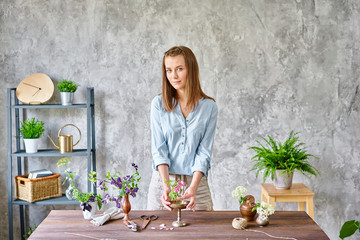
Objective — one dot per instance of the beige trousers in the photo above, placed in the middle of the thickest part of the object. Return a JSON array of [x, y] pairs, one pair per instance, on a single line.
[[202, 198]]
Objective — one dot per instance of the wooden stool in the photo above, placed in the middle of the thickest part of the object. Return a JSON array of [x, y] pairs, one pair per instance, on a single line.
[[297, 193]]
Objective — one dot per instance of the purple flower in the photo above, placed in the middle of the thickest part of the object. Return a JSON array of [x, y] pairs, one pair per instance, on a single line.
[[92, 199], [101, 184], [113, 182], [135, 166], [134, 191], [106, 199], [127, 191], [118, 203]]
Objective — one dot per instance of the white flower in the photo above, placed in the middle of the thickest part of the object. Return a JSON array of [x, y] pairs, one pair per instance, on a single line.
[[265, 209], [239, 192]]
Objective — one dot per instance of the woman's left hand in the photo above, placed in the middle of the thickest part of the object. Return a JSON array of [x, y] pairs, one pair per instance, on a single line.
[[189, 194]]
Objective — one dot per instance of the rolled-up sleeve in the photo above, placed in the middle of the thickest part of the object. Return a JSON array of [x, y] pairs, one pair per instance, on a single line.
[[159, 148], [204, 150]]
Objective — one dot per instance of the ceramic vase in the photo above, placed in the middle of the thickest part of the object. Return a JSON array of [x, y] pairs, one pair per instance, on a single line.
[[283, 181], [246, 211], [246, 208], [126, 206], [89, 209], [262, 221], [66, 98], [31, 145]]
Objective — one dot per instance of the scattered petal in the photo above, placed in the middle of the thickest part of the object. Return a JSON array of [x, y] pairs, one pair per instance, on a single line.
[[163, 225], [153, 228]]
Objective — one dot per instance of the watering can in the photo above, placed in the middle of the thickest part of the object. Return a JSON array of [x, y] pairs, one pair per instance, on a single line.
[[65, 141]]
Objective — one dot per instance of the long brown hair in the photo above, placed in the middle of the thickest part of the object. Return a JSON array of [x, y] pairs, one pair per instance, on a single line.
[[192, 88]]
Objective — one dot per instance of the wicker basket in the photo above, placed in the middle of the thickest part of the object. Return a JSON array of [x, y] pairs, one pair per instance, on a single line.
[[32, 190]]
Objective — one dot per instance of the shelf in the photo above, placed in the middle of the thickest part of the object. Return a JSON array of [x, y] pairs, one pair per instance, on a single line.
[[18, 109], [45, 106], [50, 153], [52, 201]]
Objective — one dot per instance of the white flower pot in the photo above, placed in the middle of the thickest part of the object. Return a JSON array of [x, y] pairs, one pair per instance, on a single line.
[[87, 214], [66, 98], [284, 181], [31, 144]]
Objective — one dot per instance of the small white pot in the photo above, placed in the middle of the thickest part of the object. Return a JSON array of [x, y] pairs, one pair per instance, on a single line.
[[284, 181], [31, 144], [87, 214], [66, 98]]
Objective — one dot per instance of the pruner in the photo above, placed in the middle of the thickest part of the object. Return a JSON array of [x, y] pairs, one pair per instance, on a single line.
[[131, 225]]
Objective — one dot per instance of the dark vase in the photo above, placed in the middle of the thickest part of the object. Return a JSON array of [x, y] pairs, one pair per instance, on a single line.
[[126, 206], [246, 208]]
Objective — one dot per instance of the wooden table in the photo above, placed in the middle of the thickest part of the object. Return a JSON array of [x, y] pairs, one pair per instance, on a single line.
[[297, 193], [70, 224]]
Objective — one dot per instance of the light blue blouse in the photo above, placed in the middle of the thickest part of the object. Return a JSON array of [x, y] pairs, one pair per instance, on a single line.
[[183, 144]]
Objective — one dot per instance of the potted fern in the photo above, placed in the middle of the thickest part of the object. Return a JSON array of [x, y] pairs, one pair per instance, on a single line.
[[279, 160], [67, 89], [31, 130]]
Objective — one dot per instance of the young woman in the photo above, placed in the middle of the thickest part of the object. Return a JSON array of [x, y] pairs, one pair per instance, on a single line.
[[183, 123]]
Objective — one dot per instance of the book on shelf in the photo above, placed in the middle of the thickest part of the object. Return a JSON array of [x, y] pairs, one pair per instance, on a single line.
[[39, 173]]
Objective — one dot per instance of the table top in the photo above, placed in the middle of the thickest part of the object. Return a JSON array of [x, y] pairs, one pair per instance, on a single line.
[[70, 224], [297, 189]]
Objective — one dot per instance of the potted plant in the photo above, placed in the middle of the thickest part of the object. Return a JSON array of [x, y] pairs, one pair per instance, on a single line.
[[31, 130], [67, 89], [123, 186], [264, 210], [279, 160], [88, 201]]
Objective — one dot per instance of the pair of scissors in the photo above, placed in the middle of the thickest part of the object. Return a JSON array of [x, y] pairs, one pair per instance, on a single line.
[[146, 219]]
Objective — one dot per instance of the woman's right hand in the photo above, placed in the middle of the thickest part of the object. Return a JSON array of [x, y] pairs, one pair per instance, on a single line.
[[165, 199]]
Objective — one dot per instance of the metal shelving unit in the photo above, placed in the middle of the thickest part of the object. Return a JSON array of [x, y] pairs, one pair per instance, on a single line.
[[90, 152]]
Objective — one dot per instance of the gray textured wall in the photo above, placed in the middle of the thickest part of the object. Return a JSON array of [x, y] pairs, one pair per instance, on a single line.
[[272, 66]]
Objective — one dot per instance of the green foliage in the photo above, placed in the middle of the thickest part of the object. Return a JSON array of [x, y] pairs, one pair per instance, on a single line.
[[32, 128], [31, 230], [77, 194], [67, 86], [286, 156], [349, 228]]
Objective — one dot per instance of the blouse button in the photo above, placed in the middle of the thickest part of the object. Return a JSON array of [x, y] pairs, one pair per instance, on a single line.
[[182, 135], [182, 143]]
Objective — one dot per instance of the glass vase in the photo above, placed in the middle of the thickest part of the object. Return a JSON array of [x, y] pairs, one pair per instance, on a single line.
[[69, 191]]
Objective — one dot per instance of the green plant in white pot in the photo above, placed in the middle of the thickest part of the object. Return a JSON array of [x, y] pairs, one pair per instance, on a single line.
[[67, 89], [279, 160], [31, 130]]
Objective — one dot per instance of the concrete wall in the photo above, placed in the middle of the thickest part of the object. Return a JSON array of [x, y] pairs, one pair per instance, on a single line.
[[272, 66]]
